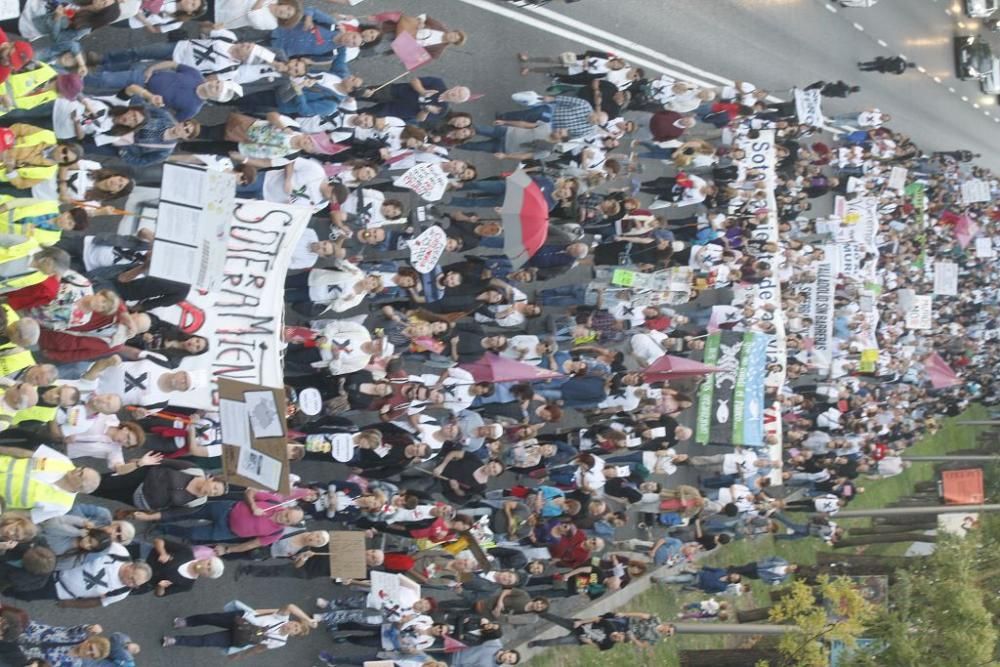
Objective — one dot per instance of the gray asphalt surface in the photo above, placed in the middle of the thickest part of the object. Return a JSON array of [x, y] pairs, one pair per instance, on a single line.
[[773, 43]]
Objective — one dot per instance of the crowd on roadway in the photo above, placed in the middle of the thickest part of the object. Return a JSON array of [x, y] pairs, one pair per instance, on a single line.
[[683, 343]]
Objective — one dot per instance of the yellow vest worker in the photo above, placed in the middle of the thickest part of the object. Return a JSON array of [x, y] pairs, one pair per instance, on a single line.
[[12, 357], [28, 160], [28, 484], [28, 89], [36, 219]]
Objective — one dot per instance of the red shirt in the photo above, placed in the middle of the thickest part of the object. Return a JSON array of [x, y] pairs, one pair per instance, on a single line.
[[569, 551], [4, 69], [38, 294], [398, 562]]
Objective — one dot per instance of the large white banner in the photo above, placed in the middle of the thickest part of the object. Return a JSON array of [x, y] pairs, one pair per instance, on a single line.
[[818, 306], [975, 190], [243, 319]]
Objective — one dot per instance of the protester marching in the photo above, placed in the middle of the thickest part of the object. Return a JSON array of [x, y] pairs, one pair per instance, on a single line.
[[448, 377]]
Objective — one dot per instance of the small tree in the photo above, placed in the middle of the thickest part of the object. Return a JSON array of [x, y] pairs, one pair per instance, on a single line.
[[840, 614]]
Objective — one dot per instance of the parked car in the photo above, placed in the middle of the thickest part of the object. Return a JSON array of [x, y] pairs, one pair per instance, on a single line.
[[981, 9], [973, 56]]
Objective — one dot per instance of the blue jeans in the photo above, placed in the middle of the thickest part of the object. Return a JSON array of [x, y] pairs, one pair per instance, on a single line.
[[492, 194], [566, 295], [116, 61], [800, 530], [494, 143], [539, 113], [216, 512], [720, 481], [114, 81]]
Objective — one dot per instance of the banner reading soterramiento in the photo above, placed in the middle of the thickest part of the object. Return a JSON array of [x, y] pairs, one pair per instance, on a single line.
[[730, 408], [244, 318]]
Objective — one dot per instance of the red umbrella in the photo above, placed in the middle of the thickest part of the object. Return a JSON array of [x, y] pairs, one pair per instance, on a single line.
[[525, 218], [494, 368], [669, 367]]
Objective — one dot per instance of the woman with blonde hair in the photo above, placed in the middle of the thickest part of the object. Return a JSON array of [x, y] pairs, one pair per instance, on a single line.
[[73, 646], [15, 528]]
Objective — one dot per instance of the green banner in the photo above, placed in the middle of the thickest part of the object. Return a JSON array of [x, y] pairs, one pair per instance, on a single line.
[[706, 392]]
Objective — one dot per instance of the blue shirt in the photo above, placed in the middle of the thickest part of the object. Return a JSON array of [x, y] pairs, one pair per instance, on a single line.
[[297, 41], [406, 102], [178, 90]]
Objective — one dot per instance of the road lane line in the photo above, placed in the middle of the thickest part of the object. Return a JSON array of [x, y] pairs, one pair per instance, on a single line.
[[626, 43], [592, 43]]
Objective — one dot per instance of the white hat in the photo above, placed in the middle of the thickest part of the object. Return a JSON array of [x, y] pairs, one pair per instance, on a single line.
[[127, 532], [495, 431], [215, 567]]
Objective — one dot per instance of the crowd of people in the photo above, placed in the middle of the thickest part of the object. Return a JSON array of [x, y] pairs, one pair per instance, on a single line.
[[500, 424]]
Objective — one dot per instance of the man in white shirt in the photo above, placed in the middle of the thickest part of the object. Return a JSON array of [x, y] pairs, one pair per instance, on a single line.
[[96, 583]]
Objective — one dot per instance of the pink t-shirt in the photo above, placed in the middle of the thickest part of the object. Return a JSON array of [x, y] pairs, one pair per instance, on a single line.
[[243, 522]]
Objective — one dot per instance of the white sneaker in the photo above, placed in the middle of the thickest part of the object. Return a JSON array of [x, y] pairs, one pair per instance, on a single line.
[[322, 603]]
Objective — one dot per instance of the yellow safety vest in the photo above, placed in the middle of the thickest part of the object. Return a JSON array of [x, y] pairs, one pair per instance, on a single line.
[[20, 87], [10, 223], [22, 492], [33, 172], [36, 137], [38, 413], [12, 362], [17, 251]]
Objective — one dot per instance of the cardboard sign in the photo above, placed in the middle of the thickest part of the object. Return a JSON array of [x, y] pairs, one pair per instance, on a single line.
[[921, 313], [975, 190], [347, 554], [808, 105], [946, 278], [426, 249], [409, 51], [897, 179], [243, 320], [427, 179], [984, 248], [263, 462], [623, 278], [194, 216]]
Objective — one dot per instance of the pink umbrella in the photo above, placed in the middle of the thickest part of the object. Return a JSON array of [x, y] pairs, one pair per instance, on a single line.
[[669, 367], [494, 368], [939, 372]]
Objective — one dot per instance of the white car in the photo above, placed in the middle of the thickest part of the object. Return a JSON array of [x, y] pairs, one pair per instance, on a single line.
[[981, 9], [990, 82]]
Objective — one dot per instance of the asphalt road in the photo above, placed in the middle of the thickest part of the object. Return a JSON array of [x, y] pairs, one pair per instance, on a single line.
[[773, 43]]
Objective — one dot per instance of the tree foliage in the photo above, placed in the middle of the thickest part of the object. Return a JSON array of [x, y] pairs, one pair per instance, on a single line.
[[941, 612], [834, 610]]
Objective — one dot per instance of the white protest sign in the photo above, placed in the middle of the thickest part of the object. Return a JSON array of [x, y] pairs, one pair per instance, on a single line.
[[9, 9], [946, 278], [984, 248], [904, 297], [808, 107], [310, 401], [427, 179], [897, 179], [921, 314], [426, 249], [192, 223], [243, 320], [975, 190]]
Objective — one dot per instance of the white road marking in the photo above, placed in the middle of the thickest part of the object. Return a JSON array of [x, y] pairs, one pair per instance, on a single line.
[[883, 44], [831, 9], [859, 27], [626, 43]]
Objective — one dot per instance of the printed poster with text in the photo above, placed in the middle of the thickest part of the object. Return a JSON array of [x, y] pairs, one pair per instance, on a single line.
[[730, 404]]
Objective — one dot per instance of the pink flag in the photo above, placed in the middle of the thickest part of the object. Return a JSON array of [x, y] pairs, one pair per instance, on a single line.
[[669, 367], [965, 231], [410, 52], [939, 372], [452, 645]]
